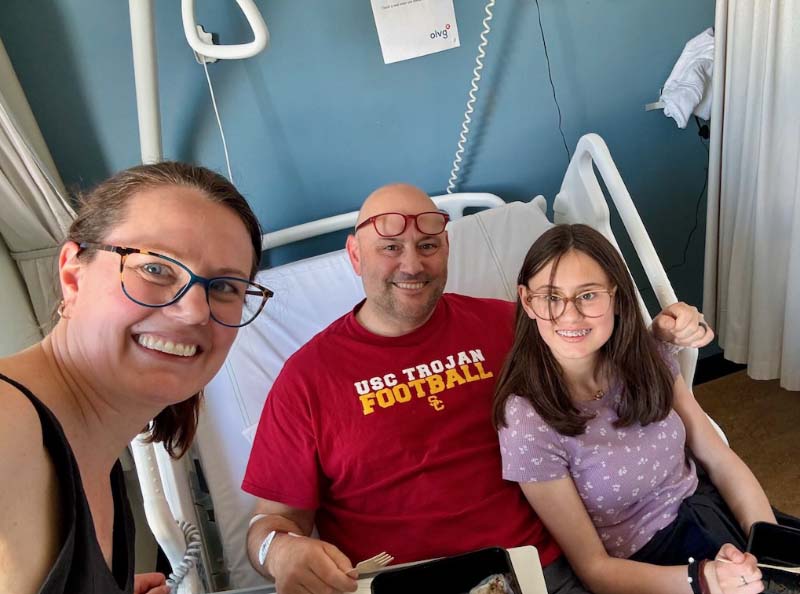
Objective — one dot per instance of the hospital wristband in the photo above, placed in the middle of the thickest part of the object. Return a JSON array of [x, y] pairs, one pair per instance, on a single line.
[[263, 550], [255, 519]]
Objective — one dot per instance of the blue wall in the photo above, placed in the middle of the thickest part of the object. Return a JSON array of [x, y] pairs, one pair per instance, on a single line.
[[318, 121]]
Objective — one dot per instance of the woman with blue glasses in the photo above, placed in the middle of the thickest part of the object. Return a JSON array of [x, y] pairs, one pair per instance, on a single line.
[[156, 277]]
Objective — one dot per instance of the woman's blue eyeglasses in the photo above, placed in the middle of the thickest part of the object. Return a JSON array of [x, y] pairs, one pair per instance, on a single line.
[[155, 280]]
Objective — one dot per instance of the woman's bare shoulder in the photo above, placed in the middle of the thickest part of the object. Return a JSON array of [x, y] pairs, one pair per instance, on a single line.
[[21, 443], [18, 416], [29, 528]]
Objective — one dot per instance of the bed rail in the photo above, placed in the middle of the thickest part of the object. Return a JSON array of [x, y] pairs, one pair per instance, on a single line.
[[581, 200]]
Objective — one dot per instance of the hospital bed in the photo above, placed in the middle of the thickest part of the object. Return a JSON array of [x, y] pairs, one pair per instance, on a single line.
[[486, 250]]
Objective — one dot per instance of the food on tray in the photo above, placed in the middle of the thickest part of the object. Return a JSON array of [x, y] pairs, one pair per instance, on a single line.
[[494, 584]]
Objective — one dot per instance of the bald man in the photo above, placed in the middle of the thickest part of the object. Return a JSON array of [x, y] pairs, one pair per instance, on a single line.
[[378, 430]]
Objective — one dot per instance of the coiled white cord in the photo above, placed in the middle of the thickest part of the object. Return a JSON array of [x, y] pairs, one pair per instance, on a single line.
[[476, 76], [193, 545], [219, 121]]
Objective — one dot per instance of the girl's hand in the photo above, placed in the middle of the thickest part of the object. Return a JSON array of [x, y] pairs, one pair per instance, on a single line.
[[150, 583], [682, 325], [733, 572]]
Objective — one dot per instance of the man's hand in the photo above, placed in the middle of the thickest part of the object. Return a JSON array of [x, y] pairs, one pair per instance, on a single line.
[[733, 572], [682, 325], [150, 583], [300, 565]]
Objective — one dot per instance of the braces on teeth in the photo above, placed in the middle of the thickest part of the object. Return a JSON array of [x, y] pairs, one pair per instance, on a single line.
[[573, 333]]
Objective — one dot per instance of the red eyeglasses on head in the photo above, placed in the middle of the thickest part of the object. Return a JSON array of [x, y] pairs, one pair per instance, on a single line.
[[392, 224]]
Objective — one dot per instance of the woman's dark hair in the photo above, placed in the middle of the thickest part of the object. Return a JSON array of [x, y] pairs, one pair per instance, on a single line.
[[631, 354], [105, 207]]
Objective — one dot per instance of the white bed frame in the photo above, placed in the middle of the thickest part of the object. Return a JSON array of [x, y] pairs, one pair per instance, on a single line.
[[166, 483]]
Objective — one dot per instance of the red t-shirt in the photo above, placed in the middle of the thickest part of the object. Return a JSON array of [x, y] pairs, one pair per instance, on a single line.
[[390, 439]]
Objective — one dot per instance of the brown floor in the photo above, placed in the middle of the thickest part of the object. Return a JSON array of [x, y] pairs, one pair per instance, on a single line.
[[762, 423]]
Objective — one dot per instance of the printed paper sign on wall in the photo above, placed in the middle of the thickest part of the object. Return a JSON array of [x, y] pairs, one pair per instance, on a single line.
[[412, 28]]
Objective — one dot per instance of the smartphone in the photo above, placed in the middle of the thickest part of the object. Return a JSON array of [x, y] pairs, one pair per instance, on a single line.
[[776, 545], [450, 575]]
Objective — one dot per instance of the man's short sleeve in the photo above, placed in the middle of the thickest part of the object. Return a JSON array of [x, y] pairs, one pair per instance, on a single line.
[[283, 463]]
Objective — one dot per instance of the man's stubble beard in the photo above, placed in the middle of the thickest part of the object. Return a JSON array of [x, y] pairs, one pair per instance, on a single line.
[[416, 316]]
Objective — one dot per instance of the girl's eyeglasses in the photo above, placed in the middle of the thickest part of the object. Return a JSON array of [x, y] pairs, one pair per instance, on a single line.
[[590, 304], [155, 280]]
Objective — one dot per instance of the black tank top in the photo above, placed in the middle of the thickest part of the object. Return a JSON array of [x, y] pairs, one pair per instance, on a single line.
[[80, 567]]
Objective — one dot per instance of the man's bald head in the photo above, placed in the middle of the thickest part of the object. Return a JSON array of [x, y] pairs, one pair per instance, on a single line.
[[403, 198], [404, 274]]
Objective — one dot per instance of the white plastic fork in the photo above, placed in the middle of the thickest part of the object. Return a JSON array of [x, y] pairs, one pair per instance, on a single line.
[[781, 568], [371, 564], [788, 569]]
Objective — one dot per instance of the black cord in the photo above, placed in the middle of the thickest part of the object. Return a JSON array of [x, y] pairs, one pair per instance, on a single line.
[[702, 131], [552, 85]]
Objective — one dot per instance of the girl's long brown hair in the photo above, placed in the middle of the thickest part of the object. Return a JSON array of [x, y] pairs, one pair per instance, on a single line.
[[631, 353]]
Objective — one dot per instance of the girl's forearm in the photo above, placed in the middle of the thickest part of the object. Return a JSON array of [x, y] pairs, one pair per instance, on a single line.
[[623, 576], [741, 491]]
